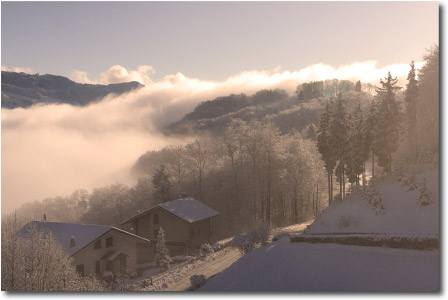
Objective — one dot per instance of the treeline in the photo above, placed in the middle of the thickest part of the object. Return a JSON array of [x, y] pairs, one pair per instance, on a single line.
[[297, 110], [251, 174], [348, 137]]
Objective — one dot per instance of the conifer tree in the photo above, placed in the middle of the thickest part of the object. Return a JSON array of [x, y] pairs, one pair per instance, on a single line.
[[162, 184], [388, 122], [358, 153], [339, 128], [358, 86], [411, 96], [162, 256], [369, 132], [325, 146]]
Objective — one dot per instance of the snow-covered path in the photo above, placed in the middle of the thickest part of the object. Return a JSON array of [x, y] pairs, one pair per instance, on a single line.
[[209, 269], [285, 267]]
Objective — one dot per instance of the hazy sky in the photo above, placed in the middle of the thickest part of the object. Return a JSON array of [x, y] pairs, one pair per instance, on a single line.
[[212, 40]]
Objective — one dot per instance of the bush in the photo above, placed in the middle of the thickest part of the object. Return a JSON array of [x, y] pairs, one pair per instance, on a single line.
[[197, 281], [253, 239], [206, 249], [425, 197]]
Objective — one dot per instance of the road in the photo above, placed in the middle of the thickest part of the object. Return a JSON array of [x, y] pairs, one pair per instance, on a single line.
[[210, 269]]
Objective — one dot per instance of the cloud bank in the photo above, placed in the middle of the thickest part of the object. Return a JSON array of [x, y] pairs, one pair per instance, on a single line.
[[51, 150], [17, 69]]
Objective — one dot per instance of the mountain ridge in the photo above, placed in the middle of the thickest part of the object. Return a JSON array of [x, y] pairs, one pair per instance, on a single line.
[[24, 90]]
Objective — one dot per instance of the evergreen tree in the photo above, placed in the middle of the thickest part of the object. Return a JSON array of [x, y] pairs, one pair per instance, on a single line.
[[428, 102], [388, 125], [358, 86], [369, 132], [162, 256], [411, 96], [339, 129], [311, 132], [162, 184], [358, 153], [325, 146]]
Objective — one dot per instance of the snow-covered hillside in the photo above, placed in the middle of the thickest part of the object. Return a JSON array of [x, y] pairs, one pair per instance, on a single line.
[[402, 214]]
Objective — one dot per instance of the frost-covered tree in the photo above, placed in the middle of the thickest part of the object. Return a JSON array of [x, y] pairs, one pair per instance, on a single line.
[[358, 86], [325, 145], [428, 102], [162, 184], [411, 96], [388, 122], [200, 157], [339, 131], [357, 151], [33, 260], [162, 257]]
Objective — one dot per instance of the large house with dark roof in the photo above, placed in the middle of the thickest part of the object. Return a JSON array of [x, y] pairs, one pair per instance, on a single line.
[[95, 248], [186, 223]]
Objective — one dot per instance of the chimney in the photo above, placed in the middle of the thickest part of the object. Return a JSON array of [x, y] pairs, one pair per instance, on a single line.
[[72, 241]]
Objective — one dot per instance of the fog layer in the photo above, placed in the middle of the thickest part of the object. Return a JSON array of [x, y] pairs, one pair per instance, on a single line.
[[51, 150]]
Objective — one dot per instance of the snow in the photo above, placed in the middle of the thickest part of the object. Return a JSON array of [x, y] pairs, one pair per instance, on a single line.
[[84, 234], [403, 215], [188, 209], [285, 266]]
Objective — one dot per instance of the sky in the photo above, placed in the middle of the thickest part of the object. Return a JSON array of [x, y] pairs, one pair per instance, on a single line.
[[184, 53], [212, 40]]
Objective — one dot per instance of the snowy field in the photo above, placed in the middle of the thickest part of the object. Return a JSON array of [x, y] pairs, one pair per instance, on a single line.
[[285, 267], [403, 215]]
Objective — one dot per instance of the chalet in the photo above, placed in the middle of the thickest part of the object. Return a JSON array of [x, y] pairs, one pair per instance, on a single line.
[[186, 223], [94, 248]]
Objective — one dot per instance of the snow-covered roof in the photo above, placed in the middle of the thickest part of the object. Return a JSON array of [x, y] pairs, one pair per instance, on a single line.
[[188, 209], [83, 233]]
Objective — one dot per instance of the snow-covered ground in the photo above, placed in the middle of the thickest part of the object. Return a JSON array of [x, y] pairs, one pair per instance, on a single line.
[[286, 266], [403, 215]]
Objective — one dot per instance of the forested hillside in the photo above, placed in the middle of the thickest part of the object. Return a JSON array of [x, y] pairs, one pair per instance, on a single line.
[[24, 90]]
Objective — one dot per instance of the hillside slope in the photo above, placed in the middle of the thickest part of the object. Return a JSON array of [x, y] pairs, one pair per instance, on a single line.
[[24, 90], [402, 215]]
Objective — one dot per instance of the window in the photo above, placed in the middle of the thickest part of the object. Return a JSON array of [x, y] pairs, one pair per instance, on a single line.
[[97, 244], [156, 219], [198, 231], [80, 269], [109, 242], [191, 233], [98, 267], [156, 233]]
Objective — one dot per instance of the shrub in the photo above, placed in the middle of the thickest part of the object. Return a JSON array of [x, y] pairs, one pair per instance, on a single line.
[[206, 249], [253, 239], [197, 281]]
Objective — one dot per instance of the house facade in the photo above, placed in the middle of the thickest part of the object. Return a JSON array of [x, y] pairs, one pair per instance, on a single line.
[[98, 249], [186, 223]]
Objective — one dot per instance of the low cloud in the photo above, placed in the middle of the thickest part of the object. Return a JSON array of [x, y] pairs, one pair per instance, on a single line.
[[17, 69], [50, 150], [116, 74]]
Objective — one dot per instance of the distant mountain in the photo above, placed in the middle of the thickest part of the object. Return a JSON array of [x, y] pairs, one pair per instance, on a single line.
[[24, 90]]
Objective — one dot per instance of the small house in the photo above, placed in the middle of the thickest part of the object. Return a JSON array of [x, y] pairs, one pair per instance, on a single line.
[[187, 224], [96, 249]]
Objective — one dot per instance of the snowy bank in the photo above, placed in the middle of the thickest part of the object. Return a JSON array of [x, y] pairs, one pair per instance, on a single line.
[[402, 214]]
